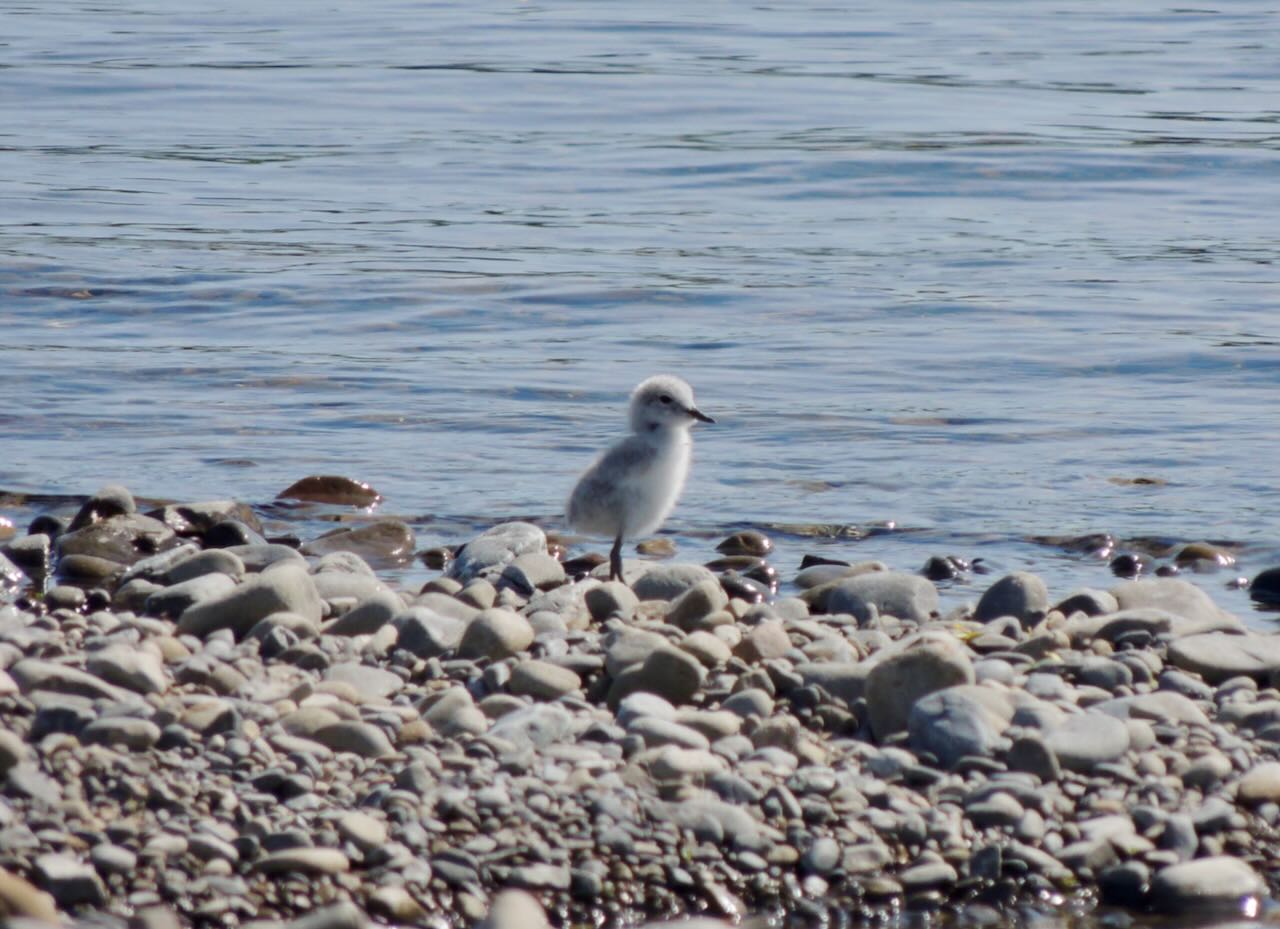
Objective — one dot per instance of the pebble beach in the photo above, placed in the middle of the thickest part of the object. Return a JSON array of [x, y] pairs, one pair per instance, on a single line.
[[201, 724]]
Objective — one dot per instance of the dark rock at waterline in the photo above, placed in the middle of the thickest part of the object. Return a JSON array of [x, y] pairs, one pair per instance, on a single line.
[[332, 489], [747, 542], [944, 567], [1130, 564], [1265, 588], [387, 541]]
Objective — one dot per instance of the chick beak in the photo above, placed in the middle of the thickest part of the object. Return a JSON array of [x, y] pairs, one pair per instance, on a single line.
[[699, 415]]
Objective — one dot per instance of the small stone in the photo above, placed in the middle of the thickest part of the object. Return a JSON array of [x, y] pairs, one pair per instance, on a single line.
[[111, 859], [747, 542], [764, 641], [1087, 740], [126, 731], [362, 830], [385, 541], [542, 680], [1265, 588], [669, 581], [360, 738], [667, 671], [111, 500], [1261, 784], [304, 861], [1219, 656], [532, 571], [963, 720], [139, 670], [611, 598], [699, 601], [368, 616], [1021, 595], [495, 634]]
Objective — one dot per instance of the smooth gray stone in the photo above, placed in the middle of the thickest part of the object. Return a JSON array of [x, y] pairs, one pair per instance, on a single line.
[[540, 876], [259, 557], [118, 538], [1021, 595], [884, 593], [371, 683], [669, 672], [715, 821], [696, 603], [285, 588], [426, 633], [127, 731], [822, 856], [658, 732], [12, 751], [669, 581], [1177, 596], [360, 738], [532, 571], [1217, 883], [110, 500], [1000, 810], [210, 561], [1104, 673], [965, 720], [643, 704], [495, 634], [112, 859], [175, 599], [33, 674], [542, 680], [921, 666], [1158, 706], [1031, 753], [1220, 656], [610, 599], [753, 701], [1088, 739], [135, 669], [454, 713], [495, 548], [628, 647], [368, 616], [534, 727], [844, 680]]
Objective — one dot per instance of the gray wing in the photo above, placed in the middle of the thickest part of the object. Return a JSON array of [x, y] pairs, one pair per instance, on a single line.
[[598, 490]]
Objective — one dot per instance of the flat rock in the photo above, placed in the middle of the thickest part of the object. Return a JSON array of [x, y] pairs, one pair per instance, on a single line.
[[1260, 784], [531, 572], [372, 684], [286, 588], [884, 593], [359, 738], [535, 726], [34, 674], [610, 599], [669, 581], [303, 861], [921, 666], [1215, 883], [200, 564], [386, 542], [1087, 740], [515, 909], [667, 671], [1218, 656], [423, 632], [123, 539], [135, 669], [127, 731], [331, 488], [700, 600], [1158, 706], [1180, 597]]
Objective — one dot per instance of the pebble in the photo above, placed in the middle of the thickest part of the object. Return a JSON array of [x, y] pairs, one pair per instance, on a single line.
[[918, 668], [495, 634], [542, 680], [286, 588], [1217, 884]]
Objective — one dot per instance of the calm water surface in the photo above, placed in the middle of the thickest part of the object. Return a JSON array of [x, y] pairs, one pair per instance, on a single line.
[[965, 268]]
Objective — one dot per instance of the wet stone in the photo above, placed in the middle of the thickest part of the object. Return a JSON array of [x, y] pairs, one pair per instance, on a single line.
[[1021, 595]]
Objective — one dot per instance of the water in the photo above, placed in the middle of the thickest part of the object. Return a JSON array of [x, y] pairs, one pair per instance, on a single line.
[[965, 268]]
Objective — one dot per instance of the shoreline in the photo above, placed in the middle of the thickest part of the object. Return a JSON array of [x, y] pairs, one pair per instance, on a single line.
[[210, 728]]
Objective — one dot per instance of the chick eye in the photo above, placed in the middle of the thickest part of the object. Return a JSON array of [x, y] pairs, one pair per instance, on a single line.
[[665, 398]]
